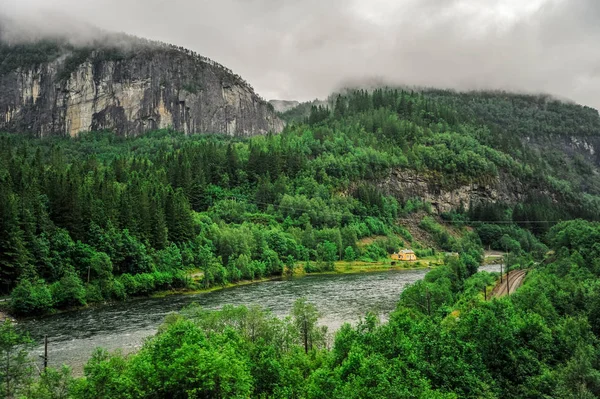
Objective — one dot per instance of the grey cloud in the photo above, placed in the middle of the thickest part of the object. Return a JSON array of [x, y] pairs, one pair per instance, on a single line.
[[302, 49]]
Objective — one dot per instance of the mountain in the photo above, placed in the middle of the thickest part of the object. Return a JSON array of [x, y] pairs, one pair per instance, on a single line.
[[125, 84], [474, 149]]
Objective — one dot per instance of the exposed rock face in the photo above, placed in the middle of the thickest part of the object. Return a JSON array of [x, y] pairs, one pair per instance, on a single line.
[[143, 91], [587, 146], [407, 184]]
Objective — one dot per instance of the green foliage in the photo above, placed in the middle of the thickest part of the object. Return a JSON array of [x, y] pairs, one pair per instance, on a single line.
[[108, 209], [31, 297], [15, 368], [129, 216], [349, 254], [68, 291], [53, 384], [305, 316], [442, 341]]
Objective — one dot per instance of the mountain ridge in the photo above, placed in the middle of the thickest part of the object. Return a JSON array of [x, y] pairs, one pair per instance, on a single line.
[[52, 87]]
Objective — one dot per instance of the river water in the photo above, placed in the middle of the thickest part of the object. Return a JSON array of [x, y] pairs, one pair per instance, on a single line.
[[342, 298]]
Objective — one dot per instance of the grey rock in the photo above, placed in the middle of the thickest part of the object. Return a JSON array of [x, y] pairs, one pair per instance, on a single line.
[[405, 184], [147, 90]]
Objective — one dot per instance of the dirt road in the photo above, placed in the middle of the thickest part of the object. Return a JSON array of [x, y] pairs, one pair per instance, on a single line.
[[515, 280]]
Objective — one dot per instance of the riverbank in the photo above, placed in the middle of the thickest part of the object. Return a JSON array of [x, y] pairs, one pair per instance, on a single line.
[[5, 310], [4, 316], [124, 326], [340, 267]]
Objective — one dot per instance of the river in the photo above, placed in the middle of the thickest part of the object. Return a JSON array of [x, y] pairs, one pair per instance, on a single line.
[[340, 298]]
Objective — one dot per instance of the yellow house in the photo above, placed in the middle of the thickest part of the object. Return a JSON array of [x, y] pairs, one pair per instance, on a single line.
[[405, 255]]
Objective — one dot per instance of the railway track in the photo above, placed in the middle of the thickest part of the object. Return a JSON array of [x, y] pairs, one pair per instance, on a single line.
[[515, 280]]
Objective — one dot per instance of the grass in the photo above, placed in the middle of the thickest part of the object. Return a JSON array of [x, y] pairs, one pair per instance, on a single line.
[[361, 266]]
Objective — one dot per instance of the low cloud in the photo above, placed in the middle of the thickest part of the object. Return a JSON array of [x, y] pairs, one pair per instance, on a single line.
[[303, 49]]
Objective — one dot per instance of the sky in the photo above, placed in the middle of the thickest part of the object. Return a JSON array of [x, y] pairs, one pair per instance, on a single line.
[[305, 49]]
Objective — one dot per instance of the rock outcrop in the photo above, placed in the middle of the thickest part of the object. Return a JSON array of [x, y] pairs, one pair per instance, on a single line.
[[405, 184], [130, 92]]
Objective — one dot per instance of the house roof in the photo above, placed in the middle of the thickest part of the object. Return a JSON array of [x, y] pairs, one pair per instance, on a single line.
[[407, 251]]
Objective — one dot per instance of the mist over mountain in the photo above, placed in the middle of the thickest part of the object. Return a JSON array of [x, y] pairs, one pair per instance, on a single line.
[[53, 82], [304, 50]]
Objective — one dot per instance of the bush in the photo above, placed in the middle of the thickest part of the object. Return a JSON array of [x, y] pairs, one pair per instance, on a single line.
[[423, 253], [31, 298], [68, 291], [93, 293], [349, 254], [145, 283], [181, 280], [115, 289], [130, 284], [390, 244], [374, 252], [162, 280], [310, 268]]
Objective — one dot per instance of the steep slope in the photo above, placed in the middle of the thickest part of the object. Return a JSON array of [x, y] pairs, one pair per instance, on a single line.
[[54, 88], [499, 155], [558, 137]]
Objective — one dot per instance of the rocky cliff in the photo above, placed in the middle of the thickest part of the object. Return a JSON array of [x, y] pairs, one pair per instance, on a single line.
[[55, 89], [405, 184]]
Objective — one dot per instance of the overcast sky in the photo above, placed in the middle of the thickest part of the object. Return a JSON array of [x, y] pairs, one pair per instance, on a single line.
[[303, 49]]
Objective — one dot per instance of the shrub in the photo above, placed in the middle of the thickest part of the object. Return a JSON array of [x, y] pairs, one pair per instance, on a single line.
[[115, 289], [145, 283], [162, 280], [130, 284], [423, 253], [68, 291], [374, 252], [310, 268], [93, 293], [349, 254], [181, 280], [31, 297]]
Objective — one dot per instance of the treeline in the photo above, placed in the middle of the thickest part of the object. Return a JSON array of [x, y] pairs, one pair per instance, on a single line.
[[443, 341]]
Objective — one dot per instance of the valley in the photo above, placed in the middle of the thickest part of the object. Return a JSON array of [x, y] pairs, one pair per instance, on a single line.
[[176, 236]]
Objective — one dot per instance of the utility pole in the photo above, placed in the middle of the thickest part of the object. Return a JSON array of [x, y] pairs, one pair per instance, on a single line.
[[45, 352], [305, 336], [501, 262], [507, 273], [485, 293], [428, 301]]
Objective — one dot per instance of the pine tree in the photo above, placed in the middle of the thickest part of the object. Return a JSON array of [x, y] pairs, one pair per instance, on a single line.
[[13, 254]]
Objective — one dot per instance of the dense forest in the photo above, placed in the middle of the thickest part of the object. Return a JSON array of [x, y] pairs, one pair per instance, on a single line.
[[101, 217], [443, 341]]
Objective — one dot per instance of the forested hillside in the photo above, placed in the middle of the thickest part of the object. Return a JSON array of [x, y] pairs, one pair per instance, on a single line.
[[103, 217]]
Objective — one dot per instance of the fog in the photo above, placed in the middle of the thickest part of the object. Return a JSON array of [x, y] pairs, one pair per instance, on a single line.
[[303, 49]]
